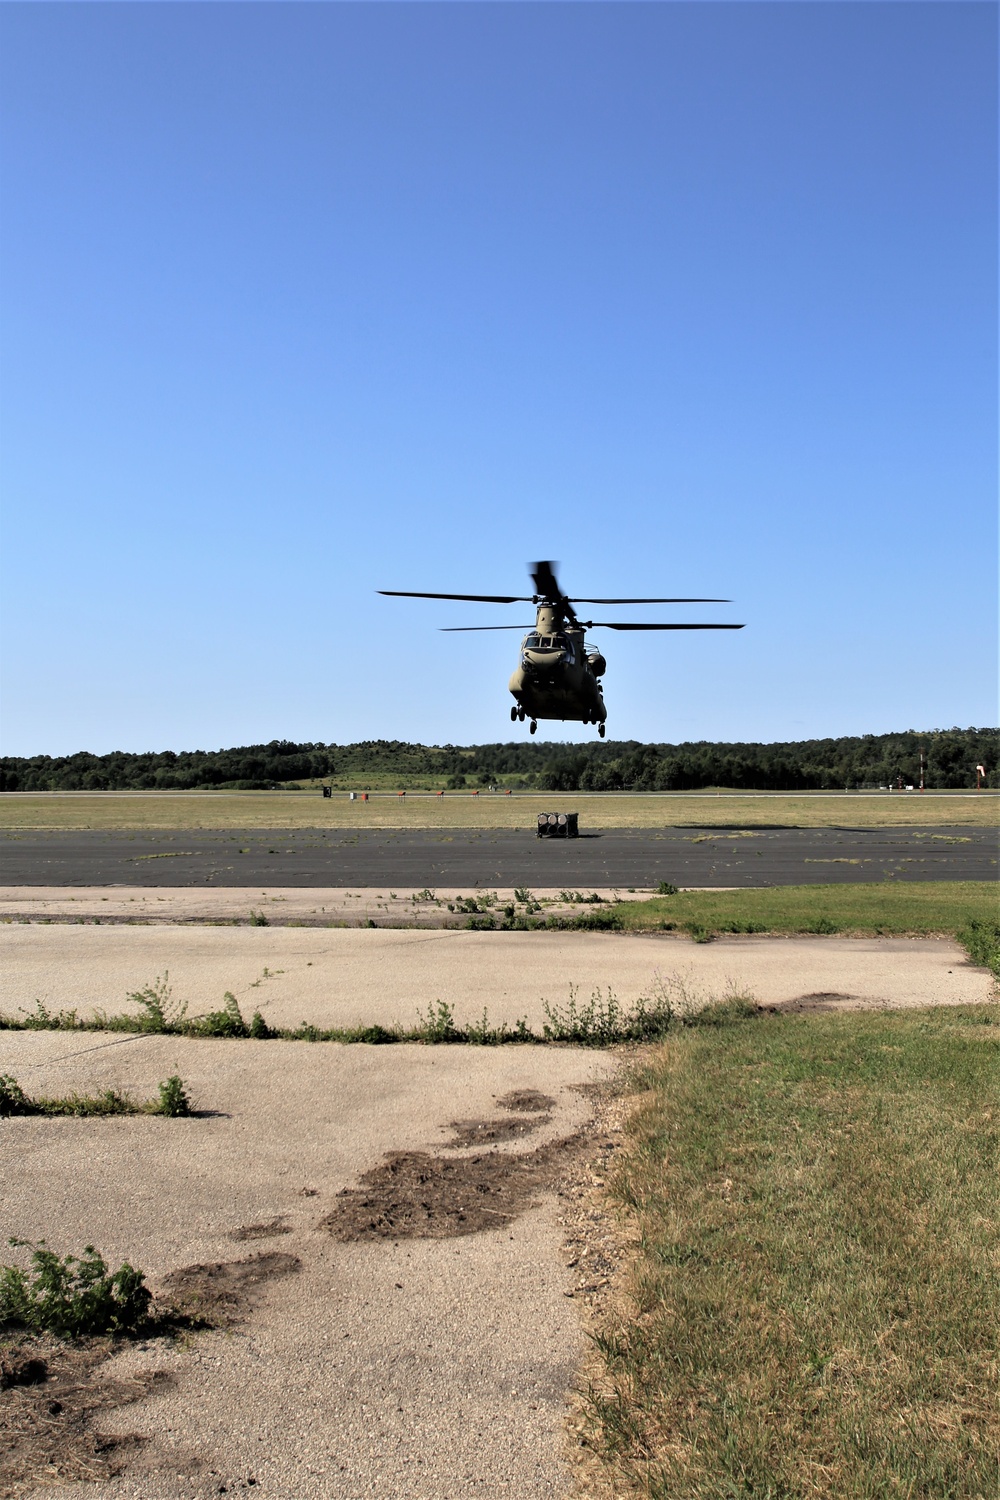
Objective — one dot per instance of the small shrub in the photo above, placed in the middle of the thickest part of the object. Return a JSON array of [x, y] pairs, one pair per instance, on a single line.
[[258, 919], [174, 1101], [73, 1297], [523, 895], [666, 889], [259, 1029]]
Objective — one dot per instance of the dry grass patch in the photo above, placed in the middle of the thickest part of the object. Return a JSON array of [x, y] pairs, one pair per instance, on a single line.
[[814, 1304]]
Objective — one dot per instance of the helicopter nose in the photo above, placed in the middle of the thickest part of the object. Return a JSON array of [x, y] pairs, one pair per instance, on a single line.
[[543, 661]]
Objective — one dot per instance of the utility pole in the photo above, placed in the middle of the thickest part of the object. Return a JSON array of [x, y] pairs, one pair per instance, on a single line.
[[922, 762]]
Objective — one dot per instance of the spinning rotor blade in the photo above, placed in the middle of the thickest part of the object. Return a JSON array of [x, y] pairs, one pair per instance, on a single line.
[[545, 581], [466, 598], [607, 625], [486, 627], [575, 600]]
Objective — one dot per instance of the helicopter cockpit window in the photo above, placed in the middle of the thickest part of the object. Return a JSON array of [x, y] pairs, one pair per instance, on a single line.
[[536, 642]]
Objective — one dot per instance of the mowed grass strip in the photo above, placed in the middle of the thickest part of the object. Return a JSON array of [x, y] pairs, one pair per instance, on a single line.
[[815, 1301], [883, 908], [285, 810]]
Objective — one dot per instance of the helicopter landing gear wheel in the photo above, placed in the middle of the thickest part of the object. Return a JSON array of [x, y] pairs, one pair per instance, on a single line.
[[600, 730], [513, 714], [532, 727], [520, 714]]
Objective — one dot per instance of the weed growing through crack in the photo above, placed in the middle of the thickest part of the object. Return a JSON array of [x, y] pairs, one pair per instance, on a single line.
[[73, 1296], [601, 1021], [172, 1101]]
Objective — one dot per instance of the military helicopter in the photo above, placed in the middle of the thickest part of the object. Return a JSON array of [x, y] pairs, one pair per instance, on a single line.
[[558, 675]]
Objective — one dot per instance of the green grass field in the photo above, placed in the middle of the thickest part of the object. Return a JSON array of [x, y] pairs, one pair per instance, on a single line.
[[307, 809], [814, 1300]]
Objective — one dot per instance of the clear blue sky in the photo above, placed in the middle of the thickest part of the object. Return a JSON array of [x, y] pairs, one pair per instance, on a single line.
[[303, 301]]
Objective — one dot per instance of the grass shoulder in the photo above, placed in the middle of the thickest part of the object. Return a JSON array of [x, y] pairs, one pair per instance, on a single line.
[[813, 1299], [283, 809]]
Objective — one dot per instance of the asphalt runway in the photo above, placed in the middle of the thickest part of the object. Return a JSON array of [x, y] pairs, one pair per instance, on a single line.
[[414, 859]]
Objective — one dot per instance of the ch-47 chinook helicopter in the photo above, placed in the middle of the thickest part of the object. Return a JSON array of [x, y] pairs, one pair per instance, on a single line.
[[558, 675]]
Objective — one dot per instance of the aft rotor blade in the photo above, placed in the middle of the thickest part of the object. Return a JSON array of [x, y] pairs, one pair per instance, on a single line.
[[575, 600], [465, 598], [607, 625], [486, 627]]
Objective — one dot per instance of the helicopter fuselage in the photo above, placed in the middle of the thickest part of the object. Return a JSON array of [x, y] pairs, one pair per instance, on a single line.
[[558, 675]]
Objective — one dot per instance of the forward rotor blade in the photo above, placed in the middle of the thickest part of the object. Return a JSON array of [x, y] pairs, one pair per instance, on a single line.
[[451, 628], [608, 625], [465, 598], [575, 600], [543, 576]]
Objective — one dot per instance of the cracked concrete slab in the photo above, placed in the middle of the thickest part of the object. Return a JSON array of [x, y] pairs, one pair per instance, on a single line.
[[411, 1367]]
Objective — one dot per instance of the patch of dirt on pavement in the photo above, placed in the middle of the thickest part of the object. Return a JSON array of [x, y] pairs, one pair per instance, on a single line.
[[52, 1391], [488, 1132], [526, 1101], [818, 1000], [413, 1195], [217, 1294], [266, 1231]]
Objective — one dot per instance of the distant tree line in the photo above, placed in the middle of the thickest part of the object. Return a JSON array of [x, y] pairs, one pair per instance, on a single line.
[[871, 760]]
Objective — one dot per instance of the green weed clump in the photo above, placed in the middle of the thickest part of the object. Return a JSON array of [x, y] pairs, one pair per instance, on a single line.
[[73, 1297], [228, 1021], [174, 1101]]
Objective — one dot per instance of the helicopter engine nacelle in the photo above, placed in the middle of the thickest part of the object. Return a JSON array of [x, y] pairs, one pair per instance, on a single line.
[[597, 664]]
